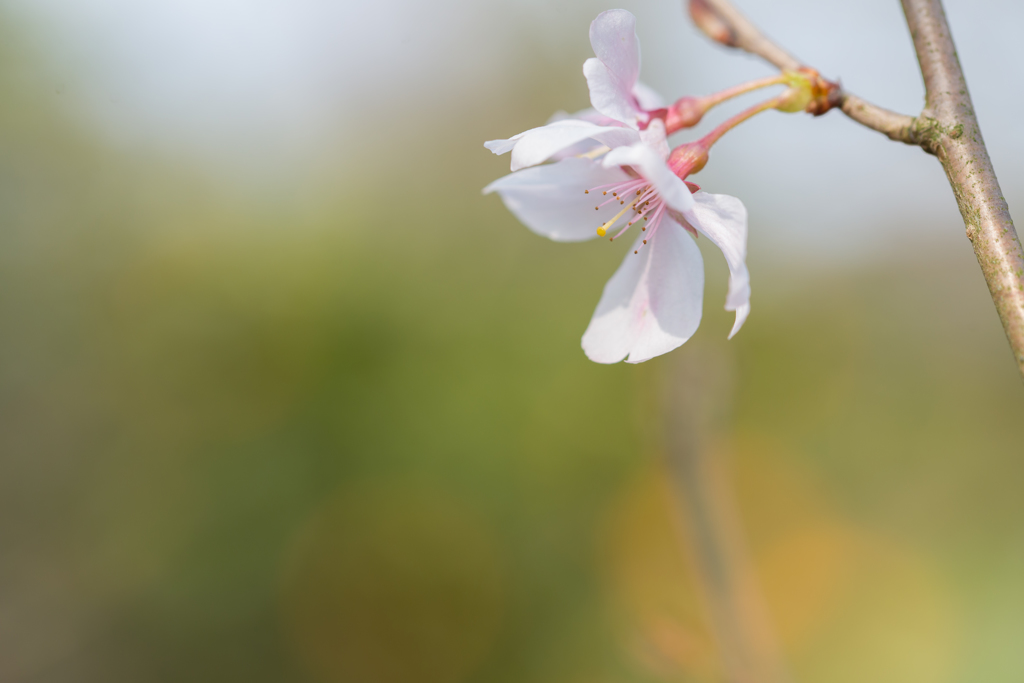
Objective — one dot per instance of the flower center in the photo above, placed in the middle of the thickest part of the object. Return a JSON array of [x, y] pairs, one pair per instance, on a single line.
[[634, 195]]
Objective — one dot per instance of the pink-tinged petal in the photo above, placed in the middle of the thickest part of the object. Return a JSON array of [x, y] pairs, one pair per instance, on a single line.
[[609, 95], [723, 219], [651, 165], [647, 98], [550, 199], [653, 302], [613, 37]]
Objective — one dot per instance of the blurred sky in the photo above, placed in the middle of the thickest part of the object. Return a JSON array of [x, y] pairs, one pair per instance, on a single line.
[[268, 93]]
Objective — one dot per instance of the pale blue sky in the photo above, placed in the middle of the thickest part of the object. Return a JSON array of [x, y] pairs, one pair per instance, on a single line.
[[239, 85]]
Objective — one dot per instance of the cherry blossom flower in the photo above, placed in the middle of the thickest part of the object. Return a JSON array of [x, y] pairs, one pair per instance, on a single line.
[[654, 301], [622, 105]]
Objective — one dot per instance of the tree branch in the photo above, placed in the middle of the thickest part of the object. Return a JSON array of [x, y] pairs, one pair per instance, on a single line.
[[947, 128]]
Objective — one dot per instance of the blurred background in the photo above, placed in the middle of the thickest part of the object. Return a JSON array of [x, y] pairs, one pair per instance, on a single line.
[[284, 398]]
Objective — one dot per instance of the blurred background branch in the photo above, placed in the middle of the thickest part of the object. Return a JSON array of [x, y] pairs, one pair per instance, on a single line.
[[699, 398], [947, 128]]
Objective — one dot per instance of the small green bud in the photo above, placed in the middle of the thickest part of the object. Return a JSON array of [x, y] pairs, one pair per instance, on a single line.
[[808, 92], [800, 93]]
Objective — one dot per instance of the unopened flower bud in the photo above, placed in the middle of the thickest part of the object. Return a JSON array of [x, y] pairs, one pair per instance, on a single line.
[[688, 159], [711, 23], [685, 113]]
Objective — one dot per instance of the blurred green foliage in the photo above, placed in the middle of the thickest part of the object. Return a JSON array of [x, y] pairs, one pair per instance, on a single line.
[[358, 441]]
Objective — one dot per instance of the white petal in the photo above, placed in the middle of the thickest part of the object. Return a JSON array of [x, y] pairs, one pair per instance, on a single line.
[[588, 146], [594, 116], [537, 145], [651, 165], [647, 98], [550, 200], [653, 302], [723, 219], [613, 37], [609, 95], [503, 146], [655, 137], [582, 147]]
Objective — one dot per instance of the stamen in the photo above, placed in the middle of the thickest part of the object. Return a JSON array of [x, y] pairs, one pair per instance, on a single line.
[[621, 232], [658, 215], [643, 194], [604, 227], [617, 183]]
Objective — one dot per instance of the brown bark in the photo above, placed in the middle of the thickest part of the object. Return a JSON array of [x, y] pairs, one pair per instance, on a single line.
[[949, 128]]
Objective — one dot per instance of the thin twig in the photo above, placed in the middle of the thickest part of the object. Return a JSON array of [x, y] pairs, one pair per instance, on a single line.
[[897, 127], [947, 128], [721, 21]]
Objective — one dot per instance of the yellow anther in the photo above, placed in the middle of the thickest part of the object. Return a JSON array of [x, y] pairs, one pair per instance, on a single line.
[[608, 224]]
